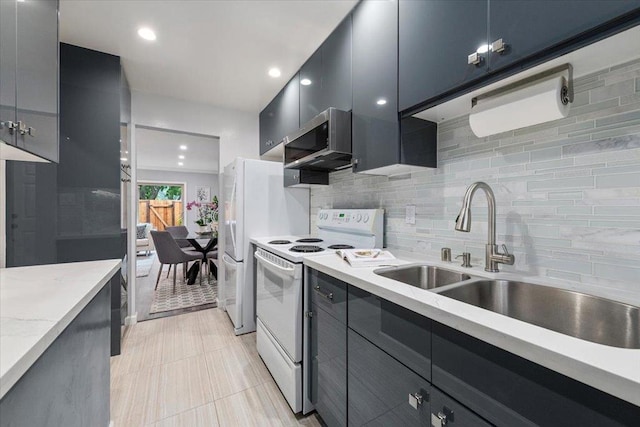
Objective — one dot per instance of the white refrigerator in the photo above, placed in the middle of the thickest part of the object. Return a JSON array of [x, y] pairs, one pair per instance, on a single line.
[[256, 204]]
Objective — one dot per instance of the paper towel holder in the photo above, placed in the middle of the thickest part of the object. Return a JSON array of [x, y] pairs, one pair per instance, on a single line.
[[566, 94]]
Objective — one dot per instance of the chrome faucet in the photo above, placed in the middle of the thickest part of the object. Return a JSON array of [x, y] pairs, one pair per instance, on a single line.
[[463, 223]]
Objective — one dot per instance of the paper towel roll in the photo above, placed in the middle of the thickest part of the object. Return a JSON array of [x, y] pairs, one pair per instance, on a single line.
[[531, 105]]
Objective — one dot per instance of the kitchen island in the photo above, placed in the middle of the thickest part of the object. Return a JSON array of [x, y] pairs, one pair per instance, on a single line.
[[55, 343], [473, 349]]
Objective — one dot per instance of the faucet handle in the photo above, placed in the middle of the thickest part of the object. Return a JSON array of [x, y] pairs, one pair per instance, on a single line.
[[506, 251]]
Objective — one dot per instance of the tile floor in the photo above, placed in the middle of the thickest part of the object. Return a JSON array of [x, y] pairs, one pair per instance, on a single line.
[[191, 370]]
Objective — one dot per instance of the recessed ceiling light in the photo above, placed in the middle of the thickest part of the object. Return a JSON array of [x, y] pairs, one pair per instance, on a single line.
[[180, 164], [305, 82], [381, 101], [147, 33], [123, 159], [181, 157], [483, 49], [274, 72], [183, 147]]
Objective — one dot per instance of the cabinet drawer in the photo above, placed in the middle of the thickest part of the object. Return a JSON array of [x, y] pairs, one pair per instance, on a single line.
[[510, 391], [329, 294], [379, 388], [402, 333], [446, 411]]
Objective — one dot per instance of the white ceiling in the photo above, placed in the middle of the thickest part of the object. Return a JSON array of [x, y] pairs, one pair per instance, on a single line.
[[159, 150], [214, 52]]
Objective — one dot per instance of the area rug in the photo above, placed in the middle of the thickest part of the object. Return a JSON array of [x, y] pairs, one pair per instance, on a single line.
[[143, 265], [185, 296]]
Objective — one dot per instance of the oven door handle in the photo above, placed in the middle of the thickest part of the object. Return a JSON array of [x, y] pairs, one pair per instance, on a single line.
[[286, 271]]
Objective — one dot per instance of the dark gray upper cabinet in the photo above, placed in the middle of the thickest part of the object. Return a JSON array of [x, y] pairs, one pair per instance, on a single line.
[[281, 117], [375, 130], [325, 79], [435, 39], [381, 144], [530, 27], [7, 71], [37, 77]]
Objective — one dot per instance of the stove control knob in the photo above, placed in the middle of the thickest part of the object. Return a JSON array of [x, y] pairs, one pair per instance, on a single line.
[[358, 218], [366, 218]]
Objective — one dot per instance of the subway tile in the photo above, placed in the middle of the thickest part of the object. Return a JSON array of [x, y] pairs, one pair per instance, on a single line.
[[618, 181], [561, 183], [616, 272], [565, 195], [574, 210], [612, 91], [618, 118], [576, 127], [606, 144]]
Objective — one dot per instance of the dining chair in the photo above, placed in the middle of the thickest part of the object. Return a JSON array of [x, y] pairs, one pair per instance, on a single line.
[[179, 234], [170, 253]]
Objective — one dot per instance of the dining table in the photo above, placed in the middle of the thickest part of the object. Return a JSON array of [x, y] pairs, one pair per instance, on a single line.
[[197, 241]]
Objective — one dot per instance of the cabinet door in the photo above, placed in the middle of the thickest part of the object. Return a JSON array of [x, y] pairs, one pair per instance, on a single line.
[[402, 333], [379, 388], [446, 411], [375, 129], [329, 367], [530, 27], [267, 120], [7, 70], [336, 68], [435, 39], [37, 76], [288, 110], [311, 99]]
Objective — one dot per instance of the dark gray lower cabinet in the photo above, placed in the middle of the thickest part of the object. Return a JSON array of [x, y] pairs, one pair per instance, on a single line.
[[402, 333], [446, 411], [510, 391], [329, 348], [379, 388], [69, 384]]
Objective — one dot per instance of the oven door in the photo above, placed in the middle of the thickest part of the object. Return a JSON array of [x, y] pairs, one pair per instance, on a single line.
[[279, 301]]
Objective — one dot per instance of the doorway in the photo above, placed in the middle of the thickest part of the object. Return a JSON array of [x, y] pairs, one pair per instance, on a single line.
[[176, 174]]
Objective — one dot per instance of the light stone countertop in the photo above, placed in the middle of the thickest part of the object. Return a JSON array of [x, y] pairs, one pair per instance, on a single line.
[[37, 303], [613, 370]]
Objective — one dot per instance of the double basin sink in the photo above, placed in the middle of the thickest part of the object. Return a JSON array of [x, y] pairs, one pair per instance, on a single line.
[[579, 315]]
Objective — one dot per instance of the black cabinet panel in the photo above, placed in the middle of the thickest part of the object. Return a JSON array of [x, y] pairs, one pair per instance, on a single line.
[[435, 39], [336, 68], [7, 70], [281, 117], [37, 76], [69, 384], [329, 367], [511, 391], [403, 334], [330, 294], [375, 130], [529, 27], [311, 93], [379, 388]]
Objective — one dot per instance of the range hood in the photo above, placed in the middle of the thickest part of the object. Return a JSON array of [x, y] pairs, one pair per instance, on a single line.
[[322, 144]]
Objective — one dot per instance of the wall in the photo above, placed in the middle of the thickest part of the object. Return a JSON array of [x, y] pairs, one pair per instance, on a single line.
[[568, 191], [192, 181], [237, 130]]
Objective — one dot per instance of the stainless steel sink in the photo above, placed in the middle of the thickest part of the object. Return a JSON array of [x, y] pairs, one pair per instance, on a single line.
[[423, 276], [576, 314]]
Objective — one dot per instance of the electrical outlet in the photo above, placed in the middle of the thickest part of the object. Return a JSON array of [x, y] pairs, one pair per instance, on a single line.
[[410, 215]]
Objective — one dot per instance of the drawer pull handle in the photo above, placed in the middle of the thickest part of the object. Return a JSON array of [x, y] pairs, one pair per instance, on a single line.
[[415, 400], [328, 296], [442, 418]]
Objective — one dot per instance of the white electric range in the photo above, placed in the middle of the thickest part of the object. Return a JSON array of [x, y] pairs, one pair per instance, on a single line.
[[280, 300]]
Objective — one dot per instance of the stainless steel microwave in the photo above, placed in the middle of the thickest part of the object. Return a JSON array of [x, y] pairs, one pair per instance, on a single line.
[[323, 143]]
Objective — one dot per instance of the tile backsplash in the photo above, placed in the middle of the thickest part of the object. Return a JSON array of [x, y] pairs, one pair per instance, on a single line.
[[567, 192]]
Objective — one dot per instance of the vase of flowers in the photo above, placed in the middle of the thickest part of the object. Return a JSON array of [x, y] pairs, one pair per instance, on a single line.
[[207, 213]]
